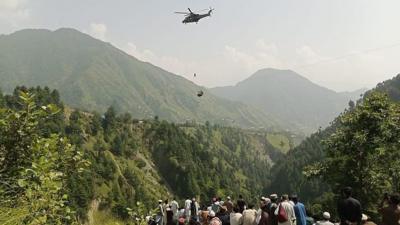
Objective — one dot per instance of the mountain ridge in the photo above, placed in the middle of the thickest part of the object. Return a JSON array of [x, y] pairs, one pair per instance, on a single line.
[[289, 97], [92, 75]]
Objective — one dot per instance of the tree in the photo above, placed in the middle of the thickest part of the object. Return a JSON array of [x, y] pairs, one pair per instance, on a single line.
[[363, 151], [110, 120], [34, 169]]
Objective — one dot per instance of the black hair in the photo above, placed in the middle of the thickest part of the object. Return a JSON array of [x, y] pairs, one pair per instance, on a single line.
[[347, 191], [395, 199]]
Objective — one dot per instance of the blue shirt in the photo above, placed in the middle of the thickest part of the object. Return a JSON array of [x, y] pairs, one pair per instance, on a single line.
[[300, 212]]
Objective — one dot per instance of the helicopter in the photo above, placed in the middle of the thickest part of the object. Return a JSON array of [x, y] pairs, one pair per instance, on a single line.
[[191, 17]]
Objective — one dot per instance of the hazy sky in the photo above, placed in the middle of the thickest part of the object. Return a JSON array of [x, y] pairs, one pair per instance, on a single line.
[[340, 44]]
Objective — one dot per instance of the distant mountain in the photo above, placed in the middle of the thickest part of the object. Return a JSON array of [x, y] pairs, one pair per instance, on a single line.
[[92, 75], [289, 97]]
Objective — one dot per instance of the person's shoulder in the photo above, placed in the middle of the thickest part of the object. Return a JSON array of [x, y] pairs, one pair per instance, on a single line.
[[355, 200]]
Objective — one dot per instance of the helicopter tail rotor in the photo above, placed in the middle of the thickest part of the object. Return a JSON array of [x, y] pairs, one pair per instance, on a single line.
[[210, 11]]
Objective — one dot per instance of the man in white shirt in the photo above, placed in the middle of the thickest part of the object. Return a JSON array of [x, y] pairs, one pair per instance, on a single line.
[[175, 209], [188, 202], [289, 210]]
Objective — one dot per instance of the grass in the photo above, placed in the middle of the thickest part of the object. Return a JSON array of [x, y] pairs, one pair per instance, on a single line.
[[279, 141], [105, 218]]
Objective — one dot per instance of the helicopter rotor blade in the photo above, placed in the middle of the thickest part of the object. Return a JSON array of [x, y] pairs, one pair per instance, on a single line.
[[182, 13]]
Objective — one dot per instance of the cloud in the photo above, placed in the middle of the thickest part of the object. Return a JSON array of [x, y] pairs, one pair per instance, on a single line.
[[265, 55], [169, 63], [14, 12], [98, 30], [306, 55]]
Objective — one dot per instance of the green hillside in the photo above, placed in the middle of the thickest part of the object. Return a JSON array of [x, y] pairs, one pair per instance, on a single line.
[[145, 160], [289, 97], [93, 75], [369, 121]]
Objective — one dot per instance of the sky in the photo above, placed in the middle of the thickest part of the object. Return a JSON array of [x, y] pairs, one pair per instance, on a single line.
[[340, 44]]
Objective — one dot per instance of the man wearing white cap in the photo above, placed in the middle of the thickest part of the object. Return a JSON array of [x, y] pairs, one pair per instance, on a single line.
[[325, 221]]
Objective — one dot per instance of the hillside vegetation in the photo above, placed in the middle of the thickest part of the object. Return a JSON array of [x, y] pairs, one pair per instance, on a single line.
[[349, 152], [92, 75], [144, 160]]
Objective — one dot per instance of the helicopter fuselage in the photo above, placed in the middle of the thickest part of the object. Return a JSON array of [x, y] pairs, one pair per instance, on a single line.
[[194, 18]]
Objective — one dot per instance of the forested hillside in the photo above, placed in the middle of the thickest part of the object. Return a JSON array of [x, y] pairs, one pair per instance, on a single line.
[[289, 97], [144, 160], [349, 152], [92, 75]]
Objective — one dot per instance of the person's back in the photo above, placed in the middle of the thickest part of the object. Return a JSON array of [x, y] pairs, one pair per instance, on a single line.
[[249, 216], [264, 219], [224, 217], [175, 208], [390, 215], [188, 203], [235, 218], [229, 205], [349, 209], [273, 219], [241, 204], [288, 207], [300, 212]]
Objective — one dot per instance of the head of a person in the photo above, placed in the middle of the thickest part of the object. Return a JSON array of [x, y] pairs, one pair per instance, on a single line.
[[228, 198], [294, 198], [326, 216], [214, 199], [236, 209], [160, 202], [223, 209], [166, 201], [262, 202], [364, 218], [193, 199], [251, 206], [211, 214], [240, 196], [285, 197], [192, 221], [347, 192], [394, 199], [274, 198]]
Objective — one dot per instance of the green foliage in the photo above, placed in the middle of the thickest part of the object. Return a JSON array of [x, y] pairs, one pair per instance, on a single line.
[[279, 141], [207, 161], [137, 161], [365, 148], [34, 169]]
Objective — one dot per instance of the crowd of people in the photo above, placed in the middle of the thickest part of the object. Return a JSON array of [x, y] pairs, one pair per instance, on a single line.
[[272, 210]]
